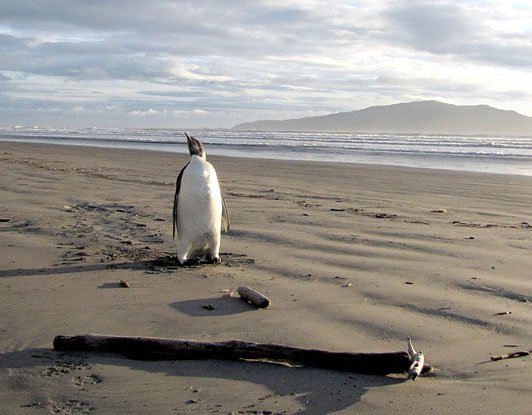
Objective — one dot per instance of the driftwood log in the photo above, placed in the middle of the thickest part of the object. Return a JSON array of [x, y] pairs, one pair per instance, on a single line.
[[153, 348], [254, 297]]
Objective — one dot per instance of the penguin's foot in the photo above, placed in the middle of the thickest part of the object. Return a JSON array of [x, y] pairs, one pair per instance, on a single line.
[[215, 260], [191, 262]]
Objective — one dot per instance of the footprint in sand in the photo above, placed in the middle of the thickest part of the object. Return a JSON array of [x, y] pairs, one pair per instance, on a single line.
[[64, 368], [68, 407], [64, 407], [83, 382]]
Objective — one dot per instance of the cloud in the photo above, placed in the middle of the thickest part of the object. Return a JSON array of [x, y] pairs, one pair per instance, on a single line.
[[220, 62], [431, 26], [145, 113], [461, 30], [190, 72]]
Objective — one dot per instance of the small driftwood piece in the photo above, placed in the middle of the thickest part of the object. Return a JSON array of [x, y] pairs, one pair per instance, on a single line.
[[154, 348], [509, 356], [254, 297]]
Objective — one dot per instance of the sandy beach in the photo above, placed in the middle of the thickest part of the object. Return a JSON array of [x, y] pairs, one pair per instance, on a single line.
[[353, 257]]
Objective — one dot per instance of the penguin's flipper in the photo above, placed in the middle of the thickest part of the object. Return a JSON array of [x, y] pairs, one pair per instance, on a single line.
[[176, 199], [226, 224]]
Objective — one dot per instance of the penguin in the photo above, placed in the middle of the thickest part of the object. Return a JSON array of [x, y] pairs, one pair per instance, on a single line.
[[200, 212]]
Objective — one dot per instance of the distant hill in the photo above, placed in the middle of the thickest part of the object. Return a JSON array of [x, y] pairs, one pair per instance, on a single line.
[[420, 117]]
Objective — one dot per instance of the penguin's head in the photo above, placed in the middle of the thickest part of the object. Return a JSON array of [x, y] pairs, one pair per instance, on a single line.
[[195, 146]]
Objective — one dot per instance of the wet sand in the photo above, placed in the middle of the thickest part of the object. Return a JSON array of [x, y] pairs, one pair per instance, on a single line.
[[353, 257]]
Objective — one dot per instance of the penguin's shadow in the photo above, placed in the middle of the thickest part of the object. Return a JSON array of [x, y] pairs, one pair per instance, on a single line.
[[110, 285], [214, 306]]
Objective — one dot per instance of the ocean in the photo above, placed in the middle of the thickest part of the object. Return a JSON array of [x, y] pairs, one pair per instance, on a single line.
[[486, 154]]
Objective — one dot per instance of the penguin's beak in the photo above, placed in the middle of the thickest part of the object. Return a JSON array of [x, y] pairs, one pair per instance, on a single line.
[[195, 146]]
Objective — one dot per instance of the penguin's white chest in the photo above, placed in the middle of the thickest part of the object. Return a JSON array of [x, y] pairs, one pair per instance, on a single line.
[[199, 213]]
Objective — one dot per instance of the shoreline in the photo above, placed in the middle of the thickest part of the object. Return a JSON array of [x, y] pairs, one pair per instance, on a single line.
[[354, 257], [474, 164]]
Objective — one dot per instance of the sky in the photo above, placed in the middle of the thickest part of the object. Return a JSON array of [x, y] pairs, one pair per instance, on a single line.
[[217, 63]]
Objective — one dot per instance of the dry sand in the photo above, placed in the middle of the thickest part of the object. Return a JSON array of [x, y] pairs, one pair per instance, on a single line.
[[353, 257]]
